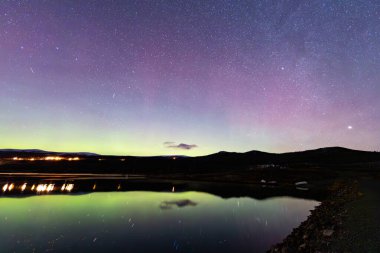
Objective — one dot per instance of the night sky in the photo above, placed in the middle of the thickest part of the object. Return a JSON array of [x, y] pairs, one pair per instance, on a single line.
[[189, 77]]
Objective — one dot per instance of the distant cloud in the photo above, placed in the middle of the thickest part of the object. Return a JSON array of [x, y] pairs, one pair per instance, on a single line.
[[170, 144]]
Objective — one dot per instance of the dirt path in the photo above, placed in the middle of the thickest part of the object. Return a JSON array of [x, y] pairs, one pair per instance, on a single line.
[[362, 226]]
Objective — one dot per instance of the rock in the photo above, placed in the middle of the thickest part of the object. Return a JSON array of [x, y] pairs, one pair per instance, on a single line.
[[302, 246], [328, 232]]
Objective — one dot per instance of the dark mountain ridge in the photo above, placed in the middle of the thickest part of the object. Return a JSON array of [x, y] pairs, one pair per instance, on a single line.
[[331, 157]]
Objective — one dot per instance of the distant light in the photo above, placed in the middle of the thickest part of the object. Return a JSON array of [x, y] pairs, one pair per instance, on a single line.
[[5, 187], [10, 188], [53, 158], [63, 187], [15, 158], [350, 128], [33, 186], [94, 187]]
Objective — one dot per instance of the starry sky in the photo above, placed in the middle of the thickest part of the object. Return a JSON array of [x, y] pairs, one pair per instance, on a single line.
[[189, 77]]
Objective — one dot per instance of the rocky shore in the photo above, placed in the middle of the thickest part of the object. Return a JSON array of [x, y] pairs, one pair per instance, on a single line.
[[324, 225]]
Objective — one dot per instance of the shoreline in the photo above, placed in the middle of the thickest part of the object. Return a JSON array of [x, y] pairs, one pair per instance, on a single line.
[[324, 225]]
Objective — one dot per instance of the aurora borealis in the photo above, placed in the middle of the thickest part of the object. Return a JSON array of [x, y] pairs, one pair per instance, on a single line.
[[189, 77]]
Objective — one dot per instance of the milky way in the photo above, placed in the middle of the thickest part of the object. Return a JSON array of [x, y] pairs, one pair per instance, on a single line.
[[129, 77]]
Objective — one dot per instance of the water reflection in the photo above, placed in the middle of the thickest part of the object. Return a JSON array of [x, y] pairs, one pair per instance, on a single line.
[[165, 205], [137, 221], [17, 184], [39, 188]]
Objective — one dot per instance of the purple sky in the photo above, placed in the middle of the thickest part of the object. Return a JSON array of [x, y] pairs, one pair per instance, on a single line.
[[129, 77]]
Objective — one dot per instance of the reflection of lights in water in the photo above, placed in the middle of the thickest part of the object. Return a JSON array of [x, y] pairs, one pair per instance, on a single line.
[[41, 187], [50, 188], [94, 187], [45, 187], [15, 158], [69, 187], [32, 159]]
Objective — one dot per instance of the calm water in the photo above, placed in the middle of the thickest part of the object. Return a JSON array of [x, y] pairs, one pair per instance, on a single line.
[[146, 222]]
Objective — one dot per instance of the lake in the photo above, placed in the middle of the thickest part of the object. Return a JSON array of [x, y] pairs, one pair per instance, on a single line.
[[146, 221]]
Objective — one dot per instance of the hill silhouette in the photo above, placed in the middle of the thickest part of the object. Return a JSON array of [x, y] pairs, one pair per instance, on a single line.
[[336, 157]]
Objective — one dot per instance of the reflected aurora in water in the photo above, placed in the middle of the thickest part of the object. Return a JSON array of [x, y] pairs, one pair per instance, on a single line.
[[134, 222]]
